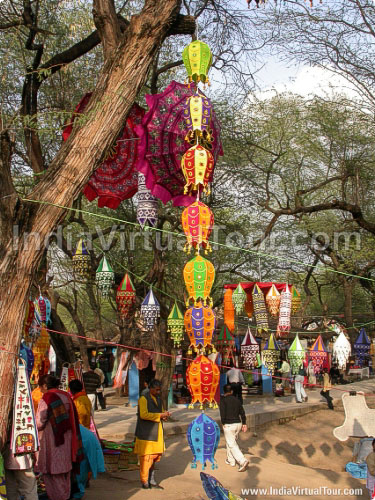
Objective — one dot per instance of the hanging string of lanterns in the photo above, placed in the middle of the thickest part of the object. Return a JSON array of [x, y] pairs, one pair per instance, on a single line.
[[175, 323]]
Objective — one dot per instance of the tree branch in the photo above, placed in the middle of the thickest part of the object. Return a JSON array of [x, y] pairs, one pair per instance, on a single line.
[[106, 21]]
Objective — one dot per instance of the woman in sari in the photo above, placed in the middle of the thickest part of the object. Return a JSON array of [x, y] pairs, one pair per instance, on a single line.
[[60, 440]]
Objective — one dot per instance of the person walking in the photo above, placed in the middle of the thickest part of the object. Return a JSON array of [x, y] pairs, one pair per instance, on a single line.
[[235, 379], [298, 386], [91, 381], [326, 388], [82, 402], [285, 373], [100, 390], [149, 437], [233, 419]]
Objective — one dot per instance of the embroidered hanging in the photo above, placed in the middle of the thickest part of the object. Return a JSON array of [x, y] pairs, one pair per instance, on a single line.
[[283, 327], [273, 301], [260, 310], [249, 350], [203, 436]]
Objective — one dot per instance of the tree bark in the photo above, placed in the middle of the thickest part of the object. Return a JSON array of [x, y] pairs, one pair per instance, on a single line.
[[348, 308], [119, 83]]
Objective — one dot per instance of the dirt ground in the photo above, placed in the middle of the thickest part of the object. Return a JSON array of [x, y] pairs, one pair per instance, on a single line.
[[302, 453]]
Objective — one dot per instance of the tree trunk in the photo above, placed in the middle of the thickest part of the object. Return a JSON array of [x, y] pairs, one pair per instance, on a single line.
[[119, 83], [348, 309]]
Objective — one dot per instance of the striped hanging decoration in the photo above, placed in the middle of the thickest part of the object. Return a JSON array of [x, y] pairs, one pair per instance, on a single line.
[[273, 301], [283, 327], [229, 310], [260, 310]]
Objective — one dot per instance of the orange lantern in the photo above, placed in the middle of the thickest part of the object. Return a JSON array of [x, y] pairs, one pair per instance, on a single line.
[[197, 166], [229, 310], [199, 276], [200, 325], [197, 222], [273, 298], [203, 377]]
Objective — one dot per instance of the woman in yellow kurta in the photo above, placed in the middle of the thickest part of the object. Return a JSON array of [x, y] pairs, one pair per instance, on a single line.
[[149, 442], [82, 402]]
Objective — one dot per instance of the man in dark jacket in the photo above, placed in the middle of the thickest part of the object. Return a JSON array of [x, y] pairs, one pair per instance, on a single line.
[[232, 414]]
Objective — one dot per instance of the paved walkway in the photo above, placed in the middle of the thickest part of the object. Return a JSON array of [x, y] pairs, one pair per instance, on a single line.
[[118, 422]]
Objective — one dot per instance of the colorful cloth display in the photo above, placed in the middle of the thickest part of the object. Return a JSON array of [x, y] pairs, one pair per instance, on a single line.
[[296, 355], [249, 350], [229, 310], [150, 310], [147, 208], [27, 355], [215, 490], [239, 298], [125, 296], [24, 437], [175, 323], [197, 223], [260, 310], [199, 276], [200, 325], [362, 347], [162, 143], [273, 301], [225, 344], [197, 165], [271, 354], [318, 355], [203, 436], [42, 310], [197, 115], [105, 278], [202, 376], [283, 326]]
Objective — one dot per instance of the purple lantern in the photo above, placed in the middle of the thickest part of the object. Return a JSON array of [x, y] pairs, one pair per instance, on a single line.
[[203, 436]]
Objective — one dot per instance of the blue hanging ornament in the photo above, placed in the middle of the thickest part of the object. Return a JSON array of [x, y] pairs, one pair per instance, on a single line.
[[203, 436], [27, 355], [150, 310]]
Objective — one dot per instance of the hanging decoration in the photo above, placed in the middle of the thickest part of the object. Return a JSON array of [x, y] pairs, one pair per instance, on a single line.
[[64, 378], [215, 490], [296, 300], [260, 310], [341, 350], [296, 355], [229, 310], [225, 345], [362, 347], [197, 59], [175, 324], [200, 325], [29, 316], [116, 178], [318, 355], [27, 355], [42, 310], [197, 115], [239, 298], [162, 143], [273, 301], [41, 355], [125, 296], [249, 306], [197, 165], [199, 276], [197, 223], [283, 327], [202, 376], [150, 310], [271, 354], [203, 436], [24, 437], [105, 278], [147, 208], [81, 260], [249, 351]]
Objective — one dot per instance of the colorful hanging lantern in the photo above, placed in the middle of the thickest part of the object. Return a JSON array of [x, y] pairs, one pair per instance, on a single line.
[[203, 436], [197, 223], [225, 344], [175, 324], [296, 355], [29, 316], [81, 260], [271, 354], [162, 143], [197, 166], [197, 115], [150, 310], [125, 296], [249, 306], [249, 351], [202, 376], [296, 300], [200, 325], [341, 350], [27, 355], [260, 310], [362, 347], [229, 310], [283, 327], [199, 276], [273, 301], [215, 490], [40, 352], [197, 59], [147, 208], [105, 277], [318, 355], [42, 310], [239, 298]]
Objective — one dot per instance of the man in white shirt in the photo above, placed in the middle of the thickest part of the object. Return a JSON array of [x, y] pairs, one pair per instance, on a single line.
[[235, 379]]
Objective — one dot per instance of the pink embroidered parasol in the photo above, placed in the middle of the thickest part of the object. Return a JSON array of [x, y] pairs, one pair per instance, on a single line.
[[162, 144]]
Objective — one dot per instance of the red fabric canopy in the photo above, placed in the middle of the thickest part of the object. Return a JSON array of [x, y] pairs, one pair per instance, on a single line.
[[248, 287]]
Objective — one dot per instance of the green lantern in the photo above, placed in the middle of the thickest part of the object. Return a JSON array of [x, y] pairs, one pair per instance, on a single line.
[[239, 298], [175, 324], [197, 58], [105, 278], [296, 355]]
